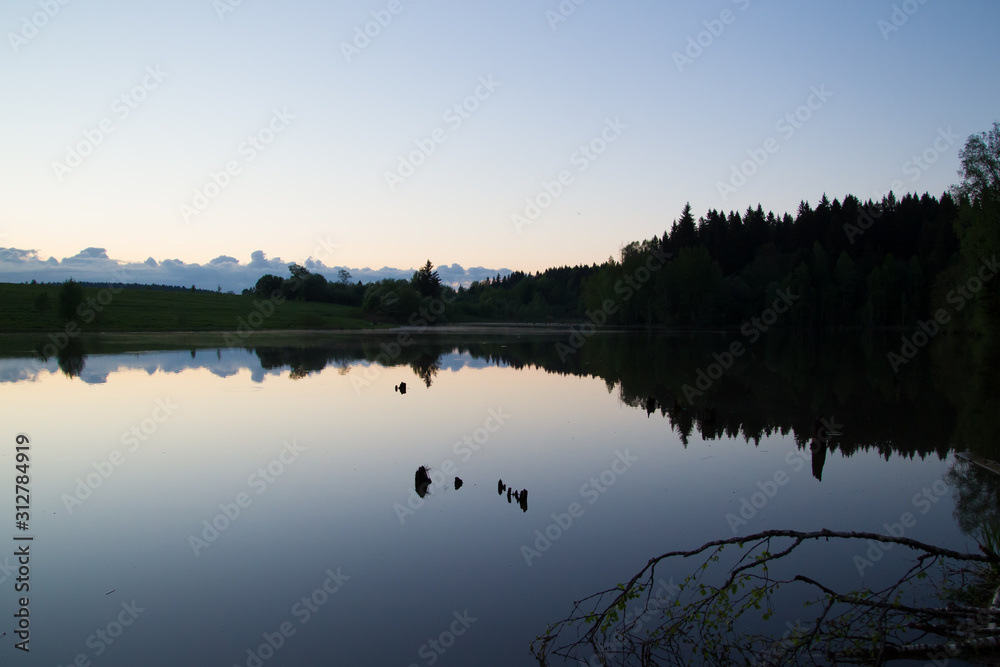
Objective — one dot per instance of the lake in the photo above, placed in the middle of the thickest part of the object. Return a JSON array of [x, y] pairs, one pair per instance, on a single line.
[[286, 504]]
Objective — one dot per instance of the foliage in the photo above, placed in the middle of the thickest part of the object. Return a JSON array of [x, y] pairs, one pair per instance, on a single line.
[[705, 617], [303, 285], [980, 169], [977, 225], [427, 281], [887, 262], [267, 285], [70, 298], [852, 263], [393, 298]]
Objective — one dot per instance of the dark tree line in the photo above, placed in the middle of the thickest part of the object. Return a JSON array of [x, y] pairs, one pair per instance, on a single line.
[[392, 299], [849, 262], [303, 285], [844, 263]]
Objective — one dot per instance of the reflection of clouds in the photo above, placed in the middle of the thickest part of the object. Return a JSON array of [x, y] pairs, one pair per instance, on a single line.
[[453, 362], [25, 370], [456, 361], [99, 367], [222, 363], [90, 377]]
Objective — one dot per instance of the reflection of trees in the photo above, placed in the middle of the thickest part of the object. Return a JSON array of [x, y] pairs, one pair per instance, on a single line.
[[966, 369], [978, 496], [301, 360], [421, 481], [426, 366], [946, 396], [778, 387], [71, 358]]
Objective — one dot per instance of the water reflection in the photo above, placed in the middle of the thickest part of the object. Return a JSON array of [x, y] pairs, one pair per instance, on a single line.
[[426, 366], [421, 481], [565, 416], [71, 359], [520, 497], [70, 356], [775, 391], [823, 431]]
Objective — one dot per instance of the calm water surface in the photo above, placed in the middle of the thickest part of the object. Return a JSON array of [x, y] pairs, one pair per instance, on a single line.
[[218, 506]]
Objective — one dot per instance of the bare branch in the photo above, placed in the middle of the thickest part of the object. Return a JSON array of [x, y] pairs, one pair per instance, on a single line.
[[700, 620]]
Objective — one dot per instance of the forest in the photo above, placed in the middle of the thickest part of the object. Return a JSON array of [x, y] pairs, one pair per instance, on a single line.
[[847, 262]]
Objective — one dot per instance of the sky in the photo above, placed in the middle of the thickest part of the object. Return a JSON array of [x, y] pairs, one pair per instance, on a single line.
[[377, 134]]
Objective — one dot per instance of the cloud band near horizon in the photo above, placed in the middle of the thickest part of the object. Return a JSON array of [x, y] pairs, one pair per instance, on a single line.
[[94, 265]]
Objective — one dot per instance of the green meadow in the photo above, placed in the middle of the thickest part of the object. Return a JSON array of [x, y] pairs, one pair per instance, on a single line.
[[29, 308]]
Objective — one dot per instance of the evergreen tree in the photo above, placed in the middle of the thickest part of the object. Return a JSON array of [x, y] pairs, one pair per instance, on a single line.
[[427, 281]]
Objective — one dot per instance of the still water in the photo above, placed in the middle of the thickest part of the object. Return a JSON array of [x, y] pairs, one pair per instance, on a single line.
[[229, 506]]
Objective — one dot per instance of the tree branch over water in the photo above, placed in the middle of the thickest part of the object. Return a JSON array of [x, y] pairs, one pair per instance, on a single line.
[[699, 619]]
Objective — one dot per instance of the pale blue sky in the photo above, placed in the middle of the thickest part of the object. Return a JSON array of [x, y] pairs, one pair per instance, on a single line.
[[323, 177]]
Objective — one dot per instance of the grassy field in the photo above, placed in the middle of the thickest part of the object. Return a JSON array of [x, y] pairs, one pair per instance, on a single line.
[[158, 310]]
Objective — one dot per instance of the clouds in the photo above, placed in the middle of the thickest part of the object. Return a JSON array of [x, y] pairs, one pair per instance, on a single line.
[[94, 265]]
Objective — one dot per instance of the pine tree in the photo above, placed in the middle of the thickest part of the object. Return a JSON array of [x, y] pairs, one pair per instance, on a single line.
[[427, 281]]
